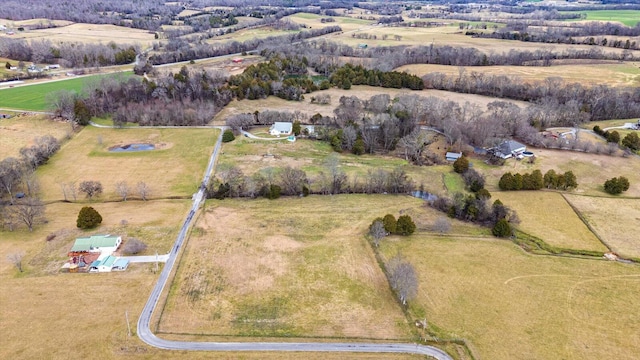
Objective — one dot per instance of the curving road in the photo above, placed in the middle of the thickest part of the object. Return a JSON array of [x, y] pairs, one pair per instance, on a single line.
[[147, 336]]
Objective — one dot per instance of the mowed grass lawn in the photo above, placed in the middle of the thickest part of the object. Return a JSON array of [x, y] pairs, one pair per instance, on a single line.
[[627, 17], [21, 131], [288, 267], [615, 220], [512, 305], [547, 215], [175, 168], [34, 97]]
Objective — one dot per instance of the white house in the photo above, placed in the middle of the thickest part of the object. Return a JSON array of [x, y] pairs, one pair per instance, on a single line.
[[104, 244], [509, 149], [281, 128]]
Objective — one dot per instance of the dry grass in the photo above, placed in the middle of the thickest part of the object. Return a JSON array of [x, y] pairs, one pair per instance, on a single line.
[[21, 131], [610, 73], [616, 220], [175, 169], [548, 216], [91, 33], [512, 305], [271, 271], [248, 34], [361, 91], [17, 23], [591, 170], [346, 23]]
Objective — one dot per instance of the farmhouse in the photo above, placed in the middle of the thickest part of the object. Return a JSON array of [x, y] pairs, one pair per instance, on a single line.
[[281, 128], [103, 244], [509, 149], [451, 156]]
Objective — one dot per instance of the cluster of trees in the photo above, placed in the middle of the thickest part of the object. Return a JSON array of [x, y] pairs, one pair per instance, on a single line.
[[68, 54], [616, 185], [349, 75], [630, 141], [477, 209], [288, 181], [572, 103], [536, 181], [387, 225]]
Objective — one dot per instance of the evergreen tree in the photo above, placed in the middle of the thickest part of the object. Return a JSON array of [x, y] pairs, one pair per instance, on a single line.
[[390, 223], [88, 218], [405, 225], [501, 228]]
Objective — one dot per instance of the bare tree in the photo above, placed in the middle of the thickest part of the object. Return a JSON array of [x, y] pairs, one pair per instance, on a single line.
[[133, 246], [337, 177], [377, 232], [30, 211], [91, 188], [143, 190], [442, 225], [123, 189], [16, 259], [10, 174], [403, 279], [293, 180]]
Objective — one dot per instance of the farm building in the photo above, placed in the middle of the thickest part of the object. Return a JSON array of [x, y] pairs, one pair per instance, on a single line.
[[103, 244], [237, 60], [452, 156], [281, 128], [509, 149]]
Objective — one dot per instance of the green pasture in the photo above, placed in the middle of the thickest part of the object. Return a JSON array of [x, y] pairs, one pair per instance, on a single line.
[[34, 97], [627, 17]]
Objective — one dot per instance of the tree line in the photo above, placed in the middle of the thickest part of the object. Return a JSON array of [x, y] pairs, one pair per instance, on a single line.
[[536, 181]]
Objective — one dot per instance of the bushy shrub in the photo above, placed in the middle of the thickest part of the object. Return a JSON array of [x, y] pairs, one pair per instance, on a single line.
[[228, 136], [88, 218]]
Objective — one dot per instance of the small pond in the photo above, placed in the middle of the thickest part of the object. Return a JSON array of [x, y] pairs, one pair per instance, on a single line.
[[132, 147]]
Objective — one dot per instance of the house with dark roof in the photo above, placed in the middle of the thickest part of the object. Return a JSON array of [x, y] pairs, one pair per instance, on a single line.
[[509, 148]]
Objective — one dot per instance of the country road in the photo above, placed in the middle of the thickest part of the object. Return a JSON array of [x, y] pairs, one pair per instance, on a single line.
[[147, 336]]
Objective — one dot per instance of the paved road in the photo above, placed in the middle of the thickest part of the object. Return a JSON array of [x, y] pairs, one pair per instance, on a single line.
[[147, 336]]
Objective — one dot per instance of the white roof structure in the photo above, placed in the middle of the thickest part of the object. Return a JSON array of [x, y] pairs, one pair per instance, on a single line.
[[281, 128]]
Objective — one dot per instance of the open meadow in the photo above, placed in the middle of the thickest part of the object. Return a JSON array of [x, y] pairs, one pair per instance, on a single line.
[[21, 131], [313, 21], [512, 305], [609, 72], [91, 33], [361, 91], [259, 268], [174, 168], [549, 217], [627, 17], [33, 97], [616, 220]]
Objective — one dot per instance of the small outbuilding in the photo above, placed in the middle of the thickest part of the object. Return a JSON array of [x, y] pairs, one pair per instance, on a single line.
[[452, 156], [281, 128]]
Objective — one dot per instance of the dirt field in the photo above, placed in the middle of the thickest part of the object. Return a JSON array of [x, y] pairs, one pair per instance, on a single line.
[[512, 305], [548, 216], [180, 157], [361, 91], [611, 73], [273, 272], [91, 33], [20, 131], [615, 220]]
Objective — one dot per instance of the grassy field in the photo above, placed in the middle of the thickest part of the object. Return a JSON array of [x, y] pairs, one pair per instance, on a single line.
[[627, 17], [274, 272], [547, 216], [91, 33], [363, 92], [311, 156], [247, 34], [512, 305], [34, 97], [175, 168], [313, 21], [18, 132], [615, 74], [615, 220]]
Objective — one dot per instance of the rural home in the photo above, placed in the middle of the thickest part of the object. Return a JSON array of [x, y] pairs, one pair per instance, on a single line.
[[509, 149], [281, 128], [237, 60], [452, 156], [103, 244]]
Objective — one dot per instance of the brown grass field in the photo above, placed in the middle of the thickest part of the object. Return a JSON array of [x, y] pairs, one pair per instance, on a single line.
[[591, 170], [361, 91], [616, 220], [346, 23], [610, 73], [513, 305], [175, 168], [548, 216], [270, 271], [21, 131], [91, 33]]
